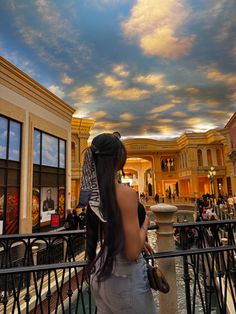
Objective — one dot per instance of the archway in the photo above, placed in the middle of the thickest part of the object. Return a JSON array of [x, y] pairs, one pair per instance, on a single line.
[[138, 174]]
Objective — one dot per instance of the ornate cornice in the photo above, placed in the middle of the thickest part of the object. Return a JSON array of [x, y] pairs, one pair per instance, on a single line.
[[16, 80]]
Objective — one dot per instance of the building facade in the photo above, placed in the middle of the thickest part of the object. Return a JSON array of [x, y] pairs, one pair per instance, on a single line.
[[35, 153], [180, 167]]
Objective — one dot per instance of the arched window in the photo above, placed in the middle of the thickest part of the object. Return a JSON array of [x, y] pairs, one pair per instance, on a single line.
[[218, 157], [209, 157], [199, 157], [73, 151]]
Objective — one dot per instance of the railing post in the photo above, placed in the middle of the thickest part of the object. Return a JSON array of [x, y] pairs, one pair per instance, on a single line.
[[165, 217]]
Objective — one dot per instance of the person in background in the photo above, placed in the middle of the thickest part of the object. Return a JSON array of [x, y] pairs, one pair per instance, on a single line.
[[75, 218], [117, 272], [234, 198], [82, 219], [156, 198], [69, 222]]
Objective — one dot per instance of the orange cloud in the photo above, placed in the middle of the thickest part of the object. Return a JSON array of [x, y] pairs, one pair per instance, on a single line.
[[111, 82], [127, 116], [83, 94], [128, 94], [179, 114], [215, 75], [154, 24], [192, 90], [67, 80], [98, 114], [150, 79], [56, 90], [162, 108], [120, 69]]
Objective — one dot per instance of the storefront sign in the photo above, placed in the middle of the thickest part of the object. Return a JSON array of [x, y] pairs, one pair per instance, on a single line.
[[55, 220]]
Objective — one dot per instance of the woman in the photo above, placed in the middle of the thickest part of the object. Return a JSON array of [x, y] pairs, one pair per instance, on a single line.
[[118, 275]]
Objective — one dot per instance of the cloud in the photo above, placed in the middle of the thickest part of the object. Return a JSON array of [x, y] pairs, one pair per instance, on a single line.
[[179, 114], [120, 70], [127, 116], [194, 106], [165, 121], [128, 94], [53, 37], [167, 131], [213, 103], [109, 126], [56, 90], [215, 75], [155, 25], [233, 51], [98, 114], [150, 79], [81, 112], [194, 121], [67, 80], [232, 97], [192, 90], [83, 94], [155, 80], [162, 108], [111, 82]]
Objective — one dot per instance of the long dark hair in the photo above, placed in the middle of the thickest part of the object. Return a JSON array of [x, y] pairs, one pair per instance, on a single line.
[[110, 156]]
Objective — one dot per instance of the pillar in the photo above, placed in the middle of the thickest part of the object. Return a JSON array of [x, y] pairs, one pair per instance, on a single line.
[[165, 216]]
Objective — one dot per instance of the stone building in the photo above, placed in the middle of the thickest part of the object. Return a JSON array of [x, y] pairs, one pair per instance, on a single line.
[[39, 176], [180, 166]]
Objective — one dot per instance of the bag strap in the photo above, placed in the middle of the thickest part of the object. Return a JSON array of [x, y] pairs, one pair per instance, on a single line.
[[153, 260]]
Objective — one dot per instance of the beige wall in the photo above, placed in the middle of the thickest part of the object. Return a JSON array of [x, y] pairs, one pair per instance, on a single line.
[[23, 99]]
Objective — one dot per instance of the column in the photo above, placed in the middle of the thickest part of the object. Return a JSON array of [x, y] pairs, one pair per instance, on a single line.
[[165, 216], [158, 173]]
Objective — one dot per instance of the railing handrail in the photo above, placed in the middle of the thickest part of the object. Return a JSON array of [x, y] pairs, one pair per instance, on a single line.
[[204, 223], [40, 235], [44, 267], [167, 254]]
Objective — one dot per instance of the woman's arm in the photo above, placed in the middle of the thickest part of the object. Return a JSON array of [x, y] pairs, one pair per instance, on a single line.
[[134, 235]]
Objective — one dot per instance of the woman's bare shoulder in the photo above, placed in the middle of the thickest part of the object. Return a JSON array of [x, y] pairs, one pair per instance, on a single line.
[[125, 195], [123, 188]]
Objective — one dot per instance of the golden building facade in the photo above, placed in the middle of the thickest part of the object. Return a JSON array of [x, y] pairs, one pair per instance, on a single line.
[[180, 167]]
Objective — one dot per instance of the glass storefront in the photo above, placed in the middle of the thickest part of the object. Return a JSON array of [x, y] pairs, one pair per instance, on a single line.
[[10, 143], [49, 179]]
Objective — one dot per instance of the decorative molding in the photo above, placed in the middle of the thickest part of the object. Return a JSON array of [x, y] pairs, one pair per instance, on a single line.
[[16, 80]]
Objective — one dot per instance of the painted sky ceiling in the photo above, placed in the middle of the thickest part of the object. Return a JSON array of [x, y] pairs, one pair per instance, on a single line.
[[147, 68]]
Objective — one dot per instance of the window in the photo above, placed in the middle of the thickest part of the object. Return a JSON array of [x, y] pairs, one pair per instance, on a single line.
[[10, 144], [209, 157], [49, 178], [218, 157], [199, 158]]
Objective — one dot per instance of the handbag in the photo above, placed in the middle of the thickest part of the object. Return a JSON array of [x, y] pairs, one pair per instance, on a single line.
[[156, 278]]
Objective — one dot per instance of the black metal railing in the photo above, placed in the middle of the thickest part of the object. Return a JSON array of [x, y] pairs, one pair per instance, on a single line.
[[41, 273], [213, 264]]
